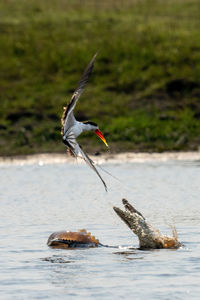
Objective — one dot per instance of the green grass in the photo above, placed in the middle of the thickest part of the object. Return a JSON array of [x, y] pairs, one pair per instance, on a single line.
[[145, 88]]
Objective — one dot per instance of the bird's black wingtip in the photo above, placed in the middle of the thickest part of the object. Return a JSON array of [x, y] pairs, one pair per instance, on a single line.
[[94, 56], [105, 186]]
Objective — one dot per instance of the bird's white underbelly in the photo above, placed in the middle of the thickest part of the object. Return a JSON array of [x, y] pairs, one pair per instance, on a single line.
[[77, 129]]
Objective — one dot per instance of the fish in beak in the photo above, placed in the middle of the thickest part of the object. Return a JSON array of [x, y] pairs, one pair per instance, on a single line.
[[98, 132]]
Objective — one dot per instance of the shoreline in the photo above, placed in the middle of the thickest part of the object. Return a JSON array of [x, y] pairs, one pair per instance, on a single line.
[[50, 158]]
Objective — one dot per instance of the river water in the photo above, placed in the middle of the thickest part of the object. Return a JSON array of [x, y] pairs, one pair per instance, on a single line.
[[37, 199]]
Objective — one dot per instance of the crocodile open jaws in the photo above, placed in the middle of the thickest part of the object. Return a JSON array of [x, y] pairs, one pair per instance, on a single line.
[[149, 237]]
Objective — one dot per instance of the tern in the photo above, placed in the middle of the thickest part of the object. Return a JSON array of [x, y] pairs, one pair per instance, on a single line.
[[71, 128]]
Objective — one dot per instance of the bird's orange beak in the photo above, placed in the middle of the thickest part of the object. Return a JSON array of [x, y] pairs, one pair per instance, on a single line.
[[98, 132]]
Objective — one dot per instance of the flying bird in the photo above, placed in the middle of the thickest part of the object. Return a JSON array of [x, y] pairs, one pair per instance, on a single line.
[[71, 128]]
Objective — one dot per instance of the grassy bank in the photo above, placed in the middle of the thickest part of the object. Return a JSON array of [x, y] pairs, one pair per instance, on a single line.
[[145, 89]]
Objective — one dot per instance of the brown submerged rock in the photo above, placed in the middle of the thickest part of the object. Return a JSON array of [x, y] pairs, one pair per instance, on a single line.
[[68, 239]]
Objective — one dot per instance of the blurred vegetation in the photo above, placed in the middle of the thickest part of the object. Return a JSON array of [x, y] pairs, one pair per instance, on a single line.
[[145, 89]]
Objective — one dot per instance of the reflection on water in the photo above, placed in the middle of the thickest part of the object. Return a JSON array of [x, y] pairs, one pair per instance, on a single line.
[[54, 259], [38, 199], [129, 255]]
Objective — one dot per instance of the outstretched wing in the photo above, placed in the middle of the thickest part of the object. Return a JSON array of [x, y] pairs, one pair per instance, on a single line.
[[91, 165], [68, 119], [76, 150]]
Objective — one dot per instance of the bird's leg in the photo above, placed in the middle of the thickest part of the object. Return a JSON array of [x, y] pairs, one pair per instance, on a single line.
[[149, 237]]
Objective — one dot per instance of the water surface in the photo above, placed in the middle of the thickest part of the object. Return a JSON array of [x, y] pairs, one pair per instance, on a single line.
[[38, 199]]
